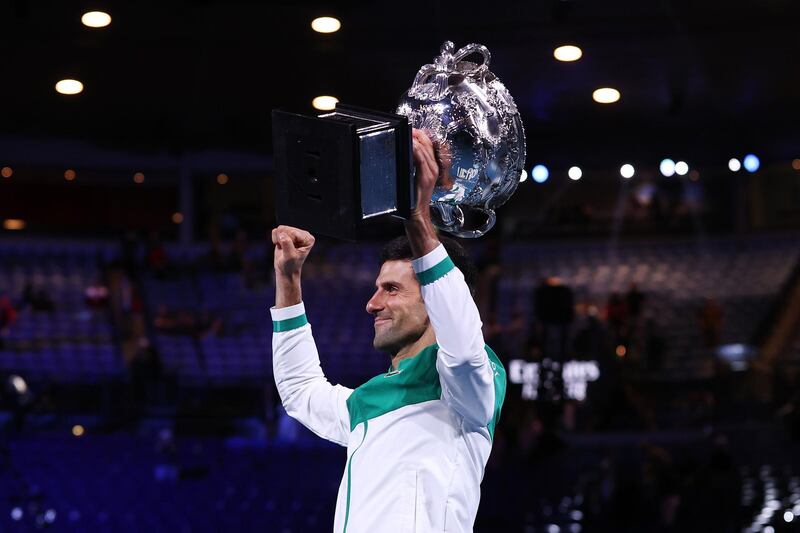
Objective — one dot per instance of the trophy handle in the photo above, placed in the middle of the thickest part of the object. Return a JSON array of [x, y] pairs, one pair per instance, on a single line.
[[450, 218], [473, 48]]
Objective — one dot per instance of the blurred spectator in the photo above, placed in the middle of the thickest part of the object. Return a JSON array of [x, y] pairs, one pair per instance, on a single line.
[[8, 315], [617, 317], [515, 338], [156, 258], [37, 298], [634, 299], [207, 325], [591, 339], [654, 345], [145, 370], [185, 323], [214, 259], [489, 271], [711, 319], [554, 308]]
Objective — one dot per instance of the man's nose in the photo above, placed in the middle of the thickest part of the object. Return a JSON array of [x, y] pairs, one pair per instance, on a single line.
[[375, 303]]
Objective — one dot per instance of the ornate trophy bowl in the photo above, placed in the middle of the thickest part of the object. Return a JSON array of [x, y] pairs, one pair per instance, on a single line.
[[472, 119]]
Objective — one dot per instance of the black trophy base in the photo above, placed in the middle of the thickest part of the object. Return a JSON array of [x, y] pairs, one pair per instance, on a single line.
[[336, 172]]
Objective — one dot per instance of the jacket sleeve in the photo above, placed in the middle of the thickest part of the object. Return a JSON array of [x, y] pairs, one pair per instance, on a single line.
[[305, 392], [465, 371]]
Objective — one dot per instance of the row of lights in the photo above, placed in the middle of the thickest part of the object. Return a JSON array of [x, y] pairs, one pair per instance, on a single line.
[[668, 168], [17, 224], [566, 53], [100, 19], [138, 177]]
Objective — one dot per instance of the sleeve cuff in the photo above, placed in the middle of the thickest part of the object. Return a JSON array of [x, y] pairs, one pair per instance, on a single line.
[[288, 318], [433, 265]]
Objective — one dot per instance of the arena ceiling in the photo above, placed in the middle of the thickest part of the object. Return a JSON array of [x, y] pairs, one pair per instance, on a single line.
[[701, 80]]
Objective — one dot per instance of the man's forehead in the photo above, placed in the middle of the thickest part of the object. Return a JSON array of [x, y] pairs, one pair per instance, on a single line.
[[396, 270]]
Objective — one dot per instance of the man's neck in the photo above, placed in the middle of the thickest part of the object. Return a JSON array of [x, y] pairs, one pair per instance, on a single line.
[[414, 348]]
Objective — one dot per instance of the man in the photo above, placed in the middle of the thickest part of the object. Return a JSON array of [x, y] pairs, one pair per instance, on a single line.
[[419, 436]]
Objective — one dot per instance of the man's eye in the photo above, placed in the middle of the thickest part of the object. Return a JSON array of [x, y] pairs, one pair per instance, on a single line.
[[392, 288]]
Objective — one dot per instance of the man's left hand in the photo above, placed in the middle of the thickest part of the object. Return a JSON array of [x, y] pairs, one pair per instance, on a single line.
[[430, 169]]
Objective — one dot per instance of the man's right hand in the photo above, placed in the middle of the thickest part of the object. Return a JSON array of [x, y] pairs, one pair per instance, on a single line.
[[292, 246]]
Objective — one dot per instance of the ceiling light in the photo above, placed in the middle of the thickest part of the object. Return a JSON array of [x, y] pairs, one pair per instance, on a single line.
[[69, 174], [751, 163], [69, 86], [574, 173], [325, 103], [734, 165], [325, 25], [222, 179], [681, 168], [626, 171], [605, 95], [567, 53], [667, 167], [177, 218], [796, 164], [6, 172], [96, 19], [138, 177], [540, 173]]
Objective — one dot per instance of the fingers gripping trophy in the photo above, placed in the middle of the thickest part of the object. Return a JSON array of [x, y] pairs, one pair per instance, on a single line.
[[339, 170]]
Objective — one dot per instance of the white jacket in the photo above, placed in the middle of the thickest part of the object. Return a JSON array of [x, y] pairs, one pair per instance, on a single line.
[[417, 438]]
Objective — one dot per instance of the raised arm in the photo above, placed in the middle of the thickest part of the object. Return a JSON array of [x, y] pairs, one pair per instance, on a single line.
[[472, 378], [305, 392]]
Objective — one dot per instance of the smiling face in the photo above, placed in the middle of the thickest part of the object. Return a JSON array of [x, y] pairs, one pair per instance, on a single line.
[[400, 315]]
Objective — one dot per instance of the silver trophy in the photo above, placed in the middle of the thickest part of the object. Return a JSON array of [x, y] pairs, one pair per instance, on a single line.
[[473, 121]]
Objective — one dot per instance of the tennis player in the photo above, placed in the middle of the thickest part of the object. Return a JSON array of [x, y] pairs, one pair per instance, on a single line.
[[417, 437]]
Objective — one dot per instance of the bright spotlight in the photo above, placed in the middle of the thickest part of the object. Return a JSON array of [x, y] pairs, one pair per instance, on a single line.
[[667, 167], [575, 173], [69, 86], [567, 53], [96, 19], [681, 168], [626, 171], [325, 103], [605, 95], [18, 384], [540, 173], [751, 163], [325, 25], [734, 165], [77, 430], [788, 516], [523, 176]]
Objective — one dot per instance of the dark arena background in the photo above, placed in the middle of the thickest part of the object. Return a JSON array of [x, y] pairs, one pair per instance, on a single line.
[[642, 286]]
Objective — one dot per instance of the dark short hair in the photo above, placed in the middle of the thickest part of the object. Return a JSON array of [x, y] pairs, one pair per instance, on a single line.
[[399, 249]]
